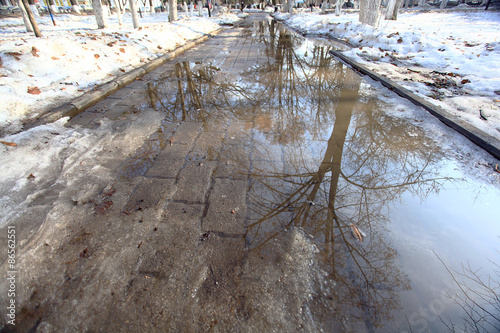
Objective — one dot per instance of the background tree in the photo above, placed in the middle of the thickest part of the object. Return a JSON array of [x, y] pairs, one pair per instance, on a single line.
[[26, 19], [172, 13], [369, 12], [133, 12], [99, 14], [75, 7], [393, 9], [31, 18]]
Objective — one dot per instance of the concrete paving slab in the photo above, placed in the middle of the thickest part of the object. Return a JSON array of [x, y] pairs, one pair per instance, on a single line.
[[226, 207], [186, 133], [207, 147], [169, 162]]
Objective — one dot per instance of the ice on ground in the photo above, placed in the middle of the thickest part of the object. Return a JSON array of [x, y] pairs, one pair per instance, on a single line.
[[55, 156]]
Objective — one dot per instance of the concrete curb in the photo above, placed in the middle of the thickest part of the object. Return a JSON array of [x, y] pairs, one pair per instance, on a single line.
[[480, 138], [79, 104]]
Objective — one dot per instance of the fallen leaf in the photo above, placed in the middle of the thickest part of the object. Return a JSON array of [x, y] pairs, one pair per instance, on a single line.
[[109, 192], [16, 55], [159, 47], [96, 56], [1, 62], [400, 40], [464, 81], [31, 177], [10, 144], [355, 232], [122, 50], [34, 91], [34, 51]]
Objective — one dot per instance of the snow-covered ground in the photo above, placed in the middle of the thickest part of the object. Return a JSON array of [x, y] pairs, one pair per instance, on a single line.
[[451, 57], [74, 56]]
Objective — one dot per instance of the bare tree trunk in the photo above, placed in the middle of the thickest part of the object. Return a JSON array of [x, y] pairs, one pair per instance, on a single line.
[[119, 12], [26, 19], [172, 14], [74, 6], [151, 7], [53, 7], [99, 15], [338, 7], [133, 12], [32, 19], [393, 9], [369, 12]]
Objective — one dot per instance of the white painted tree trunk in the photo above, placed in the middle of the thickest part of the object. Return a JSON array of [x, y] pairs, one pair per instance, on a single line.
[[76, 9], [133, 12], [369, 12], [323, 7], [393, 9], [200, 8], [172, 14], [443, 4], [54, 9], [26, 20], [185, 6], [338, 7], [119, 15], [191, 8], [99, 14], [34, 10], [105, 11]]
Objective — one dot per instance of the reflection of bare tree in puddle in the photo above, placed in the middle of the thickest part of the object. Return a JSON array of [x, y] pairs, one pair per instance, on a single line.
[[301, 175], [357, 177], [191, 91]]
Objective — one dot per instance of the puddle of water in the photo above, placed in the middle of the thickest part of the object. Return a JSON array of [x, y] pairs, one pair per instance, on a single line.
[[383, 203]]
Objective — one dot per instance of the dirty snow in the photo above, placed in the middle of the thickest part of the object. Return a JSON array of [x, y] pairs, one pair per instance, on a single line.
[[451, 58], [73, 56]]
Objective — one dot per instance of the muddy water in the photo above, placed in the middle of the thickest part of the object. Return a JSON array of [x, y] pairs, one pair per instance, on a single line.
[[348, 182]]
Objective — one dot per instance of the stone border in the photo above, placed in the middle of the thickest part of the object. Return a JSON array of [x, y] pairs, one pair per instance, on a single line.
[[480, 138], [81, 103]]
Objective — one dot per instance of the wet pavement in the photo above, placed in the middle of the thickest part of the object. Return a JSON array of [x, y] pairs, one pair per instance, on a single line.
[[279, 192]]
